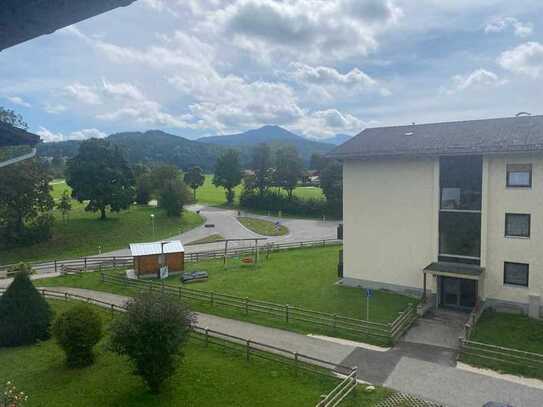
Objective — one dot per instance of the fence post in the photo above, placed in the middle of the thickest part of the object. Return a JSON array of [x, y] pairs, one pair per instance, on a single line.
[[247, 349], [206, 331], [114, 261], [246, 305], [286, 312], [335, 321], [296, 363], [112, 309], [85, 263], [212, 299], [66, 296], [179, 290], [55, 266]]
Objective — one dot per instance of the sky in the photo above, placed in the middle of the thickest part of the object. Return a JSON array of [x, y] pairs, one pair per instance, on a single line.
[[316, 67]]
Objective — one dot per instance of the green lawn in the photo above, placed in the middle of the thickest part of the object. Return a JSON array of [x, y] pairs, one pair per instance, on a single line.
[[83, 232], [301, 277], [204, 379], [263, 227], [510, 331], [210, 194]]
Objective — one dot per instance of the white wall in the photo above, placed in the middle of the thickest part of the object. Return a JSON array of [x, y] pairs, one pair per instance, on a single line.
[[390, 212], [499, 249]]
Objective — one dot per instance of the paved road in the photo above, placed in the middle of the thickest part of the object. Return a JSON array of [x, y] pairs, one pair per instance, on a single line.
[[225, 223], [424, 370]]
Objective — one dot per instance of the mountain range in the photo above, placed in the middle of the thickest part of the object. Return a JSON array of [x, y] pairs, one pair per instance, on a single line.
[[157, 146]]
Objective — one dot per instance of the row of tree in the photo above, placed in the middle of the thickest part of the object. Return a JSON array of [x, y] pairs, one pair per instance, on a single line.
[[284, 170]]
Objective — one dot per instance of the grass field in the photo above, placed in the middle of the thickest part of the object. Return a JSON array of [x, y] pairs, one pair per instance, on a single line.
[[205, 378], [510, 331], [263, 227], [210, 194], [83, 232], [301, 277]]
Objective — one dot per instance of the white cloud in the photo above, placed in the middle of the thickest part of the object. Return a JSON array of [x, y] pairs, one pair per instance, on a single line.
[[54, 108], [84, 134], [526, 59], [17, 100], [49, 136], [326, 123], [313, 28], [502, 23], [83, 93], [478, 79], [331, 83]]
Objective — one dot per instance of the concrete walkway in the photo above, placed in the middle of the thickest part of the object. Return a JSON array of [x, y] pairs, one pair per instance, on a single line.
[[420, 369]]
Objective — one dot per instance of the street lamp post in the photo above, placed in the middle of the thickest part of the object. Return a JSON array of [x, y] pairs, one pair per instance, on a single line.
[[153, 222]]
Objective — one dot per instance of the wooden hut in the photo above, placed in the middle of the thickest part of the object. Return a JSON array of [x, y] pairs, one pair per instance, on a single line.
[[149, 257]]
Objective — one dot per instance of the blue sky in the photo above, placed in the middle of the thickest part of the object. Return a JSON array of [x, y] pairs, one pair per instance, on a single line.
[[315, 67]]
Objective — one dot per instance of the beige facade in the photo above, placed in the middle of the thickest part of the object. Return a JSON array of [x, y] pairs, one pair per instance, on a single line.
[[391, 230], [390, 220]]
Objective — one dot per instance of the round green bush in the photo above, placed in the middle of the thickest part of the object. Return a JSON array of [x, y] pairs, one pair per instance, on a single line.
[[25, 316], [77, 331]]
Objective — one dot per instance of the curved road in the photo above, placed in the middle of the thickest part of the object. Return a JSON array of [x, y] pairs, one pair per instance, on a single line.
[[225, 223]]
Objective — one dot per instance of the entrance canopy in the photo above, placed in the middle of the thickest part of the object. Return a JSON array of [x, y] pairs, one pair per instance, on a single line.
[[458, 270]]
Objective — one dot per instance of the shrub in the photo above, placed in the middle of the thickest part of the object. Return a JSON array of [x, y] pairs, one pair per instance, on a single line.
[[275, 201], [25, 316], [77, 331], [151, 333]]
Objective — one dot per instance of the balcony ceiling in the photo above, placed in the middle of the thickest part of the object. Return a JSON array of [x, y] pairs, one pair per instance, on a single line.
[[22, 20]]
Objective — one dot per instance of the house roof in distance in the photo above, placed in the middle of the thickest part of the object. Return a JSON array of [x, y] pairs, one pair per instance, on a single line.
[[486, 136], [152, 248]]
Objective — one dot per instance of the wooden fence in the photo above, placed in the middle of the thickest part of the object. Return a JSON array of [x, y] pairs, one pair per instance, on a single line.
[[492, 354], [250, 348], [340, 392], [93, 263], [387, 332]]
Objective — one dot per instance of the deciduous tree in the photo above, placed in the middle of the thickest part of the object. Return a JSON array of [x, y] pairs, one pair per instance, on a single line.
[[194, 178], [262, 165], [151, 333], [25, 192], [289, 169], [65, 205], [100, 174], [332, 186], [228, 173], [173, 195]]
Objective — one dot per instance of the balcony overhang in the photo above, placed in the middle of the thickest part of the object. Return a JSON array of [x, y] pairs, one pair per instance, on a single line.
[[456, 270], [22, 20], [16, 144]]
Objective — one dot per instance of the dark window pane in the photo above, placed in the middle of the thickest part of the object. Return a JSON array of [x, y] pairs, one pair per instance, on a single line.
[[460, 182], [515, 274], [519, 175], [460, 233], [517, 225]]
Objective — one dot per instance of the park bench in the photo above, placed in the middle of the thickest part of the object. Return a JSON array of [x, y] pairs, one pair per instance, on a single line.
[[194, 277]]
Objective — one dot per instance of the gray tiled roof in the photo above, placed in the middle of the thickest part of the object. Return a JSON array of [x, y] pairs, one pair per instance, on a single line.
[[510, 134]]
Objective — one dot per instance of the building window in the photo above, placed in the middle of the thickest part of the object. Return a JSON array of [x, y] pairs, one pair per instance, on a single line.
[[517, 225], [460, 180], [515, 274], [519, 175], [460, 234]]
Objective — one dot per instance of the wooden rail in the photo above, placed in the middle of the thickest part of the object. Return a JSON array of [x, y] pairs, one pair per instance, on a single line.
[[340, 392], [249, 348], [502, 354], [388, 332], [93, 263]]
